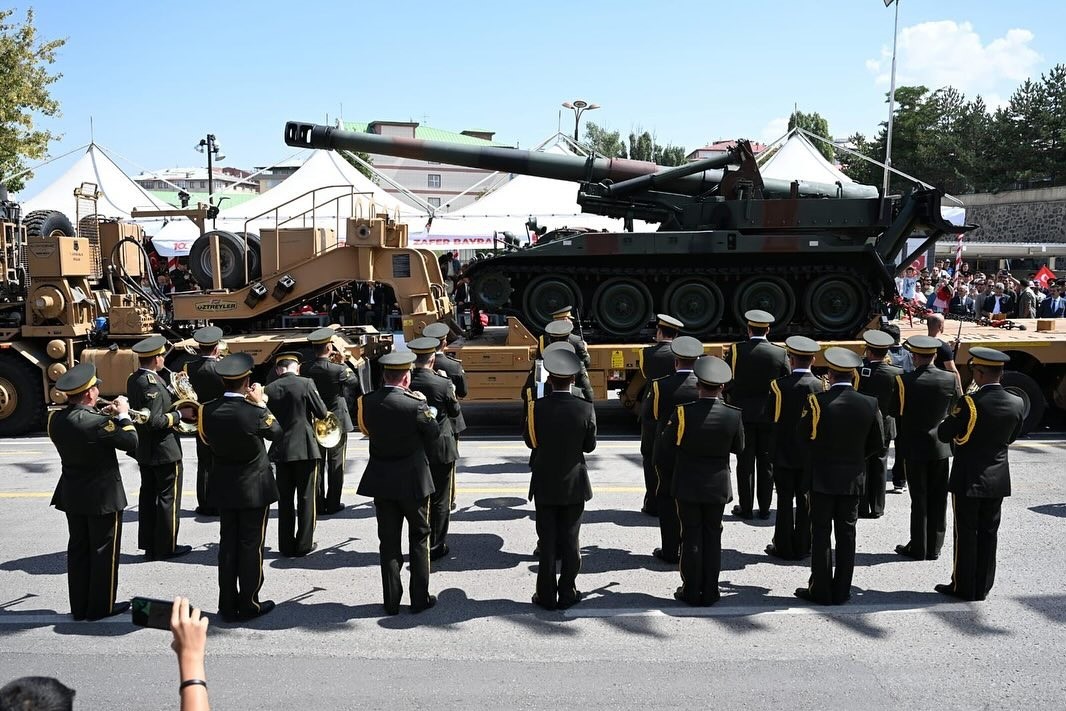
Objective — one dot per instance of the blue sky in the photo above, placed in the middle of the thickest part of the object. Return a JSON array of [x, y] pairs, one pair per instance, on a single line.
[[157, 76]]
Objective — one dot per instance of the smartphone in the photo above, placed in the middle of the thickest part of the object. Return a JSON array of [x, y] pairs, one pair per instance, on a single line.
[[147, 612]]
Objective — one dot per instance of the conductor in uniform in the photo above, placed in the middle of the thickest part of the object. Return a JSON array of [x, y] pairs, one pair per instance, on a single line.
[[441, 397], [788, 397], [560, 429], [454, 368], [842, 429], [401, 428], [242, 485], [158, 454], [208, 385], [655, 361], [90, 490], [982, 427], [755, 363], [925, 396], [878, 379], [702, 434], [295, 402], [335, 383]]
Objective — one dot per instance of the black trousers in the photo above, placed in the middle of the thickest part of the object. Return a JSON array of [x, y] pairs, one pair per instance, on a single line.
[[872, 501], [203, 472], [331, 485], [832, 514], [669, 523], [976, 536], [92, 563], [701, 550], [242, 535], [899, 474], [391, 514], [755, 469], [159, 508], [440, 502], [928, 482], [454, 465], [558, 533], [792, 529], [651, 479], [297, 482]]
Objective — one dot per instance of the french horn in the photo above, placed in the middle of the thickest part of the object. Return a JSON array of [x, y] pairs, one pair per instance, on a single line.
[[186, 399], [327, 431]]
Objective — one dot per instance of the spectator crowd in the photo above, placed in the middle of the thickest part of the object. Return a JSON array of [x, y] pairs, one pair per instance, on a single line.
[[978, 295]]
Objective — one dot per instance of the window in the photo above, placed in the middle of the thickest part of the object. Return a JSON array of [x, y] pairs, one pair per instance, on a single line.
[[433, 180], [435, 202]]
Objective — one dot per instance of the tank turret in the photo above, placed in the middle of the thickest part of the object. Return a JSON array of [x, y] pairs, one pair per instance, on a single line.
[[813, 254]]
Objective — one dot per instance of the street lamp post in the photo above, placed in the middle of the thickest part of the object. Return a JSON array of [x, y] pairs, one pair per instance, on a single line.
[[579, 107], [210, 146], [891, 102]]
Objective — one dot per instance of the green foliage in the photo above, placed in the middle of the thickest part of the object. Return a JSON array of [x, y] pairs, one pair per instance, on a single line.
[[24, 94], [359, 166], [817, 125], [606, 143], [642, 146]]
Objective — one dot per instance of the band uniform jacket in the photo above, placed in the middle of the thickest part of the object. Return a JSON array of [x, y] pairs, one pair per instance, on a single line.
[[981, 427], [454, 368], [241, 477], [335, 383], [842, 429], [157, 442], [878, 380], [701, 435], [295, 403], [656, 360], [755, 363], [560, 429], [924, 397], [440, 394], [666, 394], [787, 398], [401, 429], [90, 483], [204, 378]]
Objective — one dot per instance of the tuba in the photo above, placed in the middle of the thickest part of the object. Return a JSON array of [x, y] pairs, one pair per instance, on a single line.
[[186, 399], [327, 431]]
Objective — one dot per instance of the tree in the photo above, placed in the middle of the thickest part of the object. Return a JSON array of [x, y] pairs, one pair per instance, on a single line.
[[24, 94], [816, 125], [671, 155], [606, 143], [359, 166]]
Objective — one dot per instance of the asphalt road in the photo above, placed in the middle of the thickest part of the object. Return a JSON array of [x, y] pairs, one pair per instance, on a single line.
[[897, 644]]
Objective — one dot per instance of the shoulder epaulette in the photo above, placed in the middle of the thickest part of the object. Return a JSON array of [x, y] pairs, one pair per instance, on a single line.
[[732, 407]]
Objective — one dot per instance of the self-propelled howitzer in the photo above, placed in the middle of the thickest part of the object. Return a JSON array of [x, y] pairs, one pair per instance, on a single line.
[[813, 254]]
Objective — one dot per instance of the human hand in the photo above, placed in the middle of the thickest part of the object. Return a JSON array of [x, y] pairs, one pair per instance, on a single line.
[[190, 633], [120, 405], [256, 394]]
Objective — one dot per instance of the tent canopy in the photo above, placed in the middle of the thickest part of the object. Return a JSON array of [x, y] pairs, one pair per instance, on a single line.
[[799, 159]]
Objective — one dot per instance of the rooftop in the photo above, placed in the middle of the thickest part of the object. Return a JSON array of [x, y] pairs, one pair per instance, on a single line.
[[471, 137]]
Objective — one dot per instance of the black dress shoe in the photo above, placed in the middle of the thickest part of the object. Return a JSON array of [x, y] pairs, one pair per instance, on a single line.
[[330, 510], [650, 512], [841, 600], [764, 515], [948, 590], [707, 601], [117, 609], [679, 595], [740, 513], [568, 601], [430, 602], [178, 552], [390, 610], [228, 616], [771, 550], [905, 551], [265, 606], [658, 553], [301, 554], [543, 604], [205, 511], [805, 595], [438, 551]]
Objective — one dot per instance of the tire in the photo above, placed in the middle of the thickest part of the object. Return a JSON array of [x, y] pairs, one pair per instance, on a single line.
[[492, 290], [22, 409], [48, 223], [255, 254], [548, 294], [1020, 384], [835, 305], [231, 260], [697, 302], [622, 306], [768, 293]]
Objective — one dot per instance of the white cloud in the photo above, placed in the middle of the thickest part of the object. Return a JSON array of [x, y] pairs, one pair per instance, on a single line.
[[945, 52], [774, 129]]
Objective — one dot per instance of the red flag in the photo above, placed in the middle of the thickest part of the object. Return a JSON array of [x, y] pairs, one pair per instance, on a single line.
[[1044, 276]]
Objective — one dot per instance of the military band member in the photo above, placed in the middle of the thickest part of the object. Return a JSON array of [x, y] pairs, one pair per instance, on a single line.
[[241, 486], [842, 429], [158, 454], [755, 363], [560, 428], [788, 397], [561, 328], [454, 368], [295, 402], [656, 361], [566, 314], [440, 395], [925, 396], [90, 490], [878, 379], [401, 428], [208, 386], [666, 394], [335, 383], [981, 427], [701, 435]]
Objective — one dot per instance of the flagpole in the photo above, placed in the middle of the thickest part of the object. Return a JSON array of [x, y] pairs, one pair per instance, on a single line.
[[891, 102]]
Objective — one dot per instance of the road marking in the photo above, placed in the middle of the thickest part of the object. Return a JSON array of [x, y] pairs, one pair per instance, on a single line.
[[15, 620], [11, 452], [517, 489], [757, 610]]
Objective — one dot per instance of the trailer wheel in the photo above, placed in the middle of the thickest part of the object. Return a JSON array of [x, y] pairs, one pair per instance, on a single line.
[[48, 223], [255, 254], [230, 259], [21, 402], [1020, 384]]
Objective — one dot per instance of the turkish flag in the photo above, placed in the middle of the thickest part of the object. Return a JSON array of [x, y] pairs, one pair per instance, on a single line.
[[1044, 276]]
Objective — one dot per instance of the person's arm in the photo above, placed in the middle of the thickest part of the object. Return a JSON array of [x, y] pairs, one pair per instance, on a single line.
[[738, 438], [190, 644], [590, 432], [318, 405], [875, 438]]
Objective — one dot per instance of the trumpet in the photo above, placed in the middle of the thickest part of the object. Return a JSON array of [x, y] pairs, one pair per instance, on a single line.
[[107, 407], [249, 398]]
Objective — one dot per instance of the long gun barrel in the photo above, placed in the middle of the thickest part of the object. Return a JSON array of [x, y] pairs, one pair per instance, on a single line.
[[547, 165]]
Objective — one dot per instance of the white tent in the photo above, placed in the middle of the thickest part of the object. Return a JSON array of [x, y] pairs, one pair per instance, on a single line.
[[799, 159], [120, 194]]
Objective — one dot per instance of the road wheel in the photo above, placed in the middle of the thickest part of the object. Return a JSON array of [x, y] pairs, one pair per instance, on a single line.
[[622, 306], [492, 290], [48, 223], [835, 305], [230, 258], [21, 401], [1023, 386], [767, 293], [547, 295], [697, 302]]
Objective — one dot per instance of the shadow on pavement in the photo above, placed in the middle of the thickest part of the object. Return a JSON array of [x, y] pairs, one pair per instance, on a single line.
[[1058, 510]]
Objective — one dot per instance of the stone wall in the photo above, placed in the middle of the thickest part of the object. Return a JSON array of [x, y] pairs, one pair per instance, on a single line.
[[1022, 216]]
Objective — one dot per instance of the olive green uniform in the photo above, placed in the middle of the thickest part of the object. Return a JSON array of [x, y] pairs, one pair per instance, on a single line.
[[442, 451], [335, 383], [208, 386]]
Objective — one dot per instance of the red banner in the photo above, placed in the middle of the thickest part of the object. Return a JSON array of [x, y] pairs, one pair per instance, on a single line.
[[1044, 276]]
